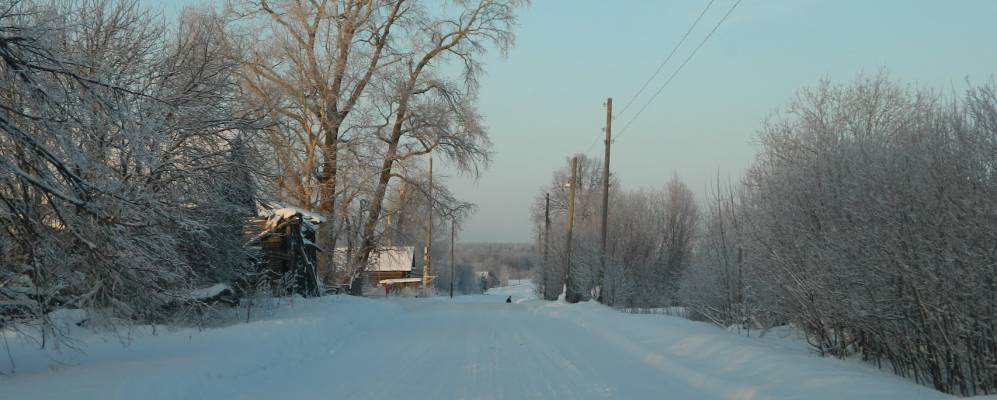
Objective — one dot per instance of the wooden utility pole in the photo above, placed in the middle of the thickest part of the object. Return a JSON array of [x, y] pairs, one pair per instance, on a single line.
[[546, 229], [429, 230], [569, 294], [453, 235], [605, 196], [546, 277]]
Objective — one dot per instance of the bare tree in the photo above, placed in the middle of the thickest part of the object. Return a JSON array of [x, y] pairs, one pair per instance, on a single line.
[[308, 64], [422, 110], [714, 285], [587, 191]]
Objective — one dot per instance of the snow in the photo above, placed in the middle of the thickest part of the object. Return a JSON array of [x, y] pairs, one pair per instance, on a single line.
[[471, 347], [66, 319], [399, 280], [209, 292], [392, 258], [287, 212]]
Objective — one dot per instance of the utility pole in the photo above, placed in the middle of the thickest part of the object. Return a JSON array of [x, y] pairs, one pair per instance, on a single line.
[[605, 197], [546, 229], [453, 235], [569, 293], [429, 230], [546, 276]]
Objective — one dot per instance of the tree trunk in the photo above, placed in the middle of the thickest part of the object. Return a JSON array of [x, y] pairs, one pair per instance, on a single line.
[[367, 245], [326, 234]]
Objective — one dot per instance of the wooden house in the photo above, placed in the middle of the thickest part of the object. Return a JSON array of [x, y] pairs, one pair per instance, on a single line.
[[385, 263], [390, 263]]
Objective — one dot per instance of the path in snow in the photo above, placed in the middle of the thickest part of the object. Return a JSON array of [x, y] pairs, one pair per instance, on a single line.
[[475, 347]]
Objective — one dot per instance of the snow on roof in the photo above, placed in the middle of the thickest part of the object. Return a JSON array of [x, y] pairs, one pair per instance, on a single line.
[[274, 209], [399, 280], [396, 258], [384, 259]]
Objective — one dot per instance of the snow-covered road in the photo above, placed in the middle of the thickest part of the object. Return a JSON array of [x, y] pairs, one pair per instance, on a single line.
[[475, 347]]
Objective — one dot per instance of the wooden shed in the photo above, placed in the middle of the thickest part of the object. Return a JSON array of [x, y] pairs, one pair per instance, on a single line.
[[286, 240]]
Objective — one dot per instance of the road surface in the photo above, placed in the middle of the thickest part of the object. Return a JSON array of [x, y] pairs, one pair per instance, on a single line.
[[476, 347]]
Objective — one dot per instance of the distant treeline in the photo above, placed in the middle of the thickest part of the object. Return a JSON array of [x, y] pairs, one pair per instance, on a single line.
[[504, 260]]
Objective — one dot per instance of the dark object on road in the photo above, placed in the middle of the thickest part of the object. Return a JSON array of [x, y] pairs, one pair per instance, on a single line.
[[508, 299]]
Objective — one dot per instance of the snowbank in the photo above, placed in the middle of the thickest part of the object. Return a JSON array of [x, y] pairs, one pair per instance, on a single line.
[[226, 362]]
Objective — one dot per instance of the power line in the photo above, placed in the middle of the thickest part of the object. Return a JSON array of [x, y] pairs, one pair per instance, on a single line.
[[658, 70], [679, 69], [670, 55], [594, 141]]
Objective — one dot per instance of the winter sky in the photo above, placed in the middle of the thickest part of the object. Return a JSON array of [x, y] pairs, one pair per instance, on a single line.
[[544, 101]]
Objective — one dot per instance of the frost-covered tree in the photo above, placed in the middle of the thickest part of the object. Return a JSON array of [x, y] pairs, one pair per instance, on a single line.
[[716, 285], [585, 232], [650, 236], [868, 222], [116, 137]]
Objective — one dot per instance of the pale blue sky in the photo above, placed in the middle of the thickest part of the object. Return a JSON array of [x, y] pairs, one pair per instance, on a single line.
[[544, 101]]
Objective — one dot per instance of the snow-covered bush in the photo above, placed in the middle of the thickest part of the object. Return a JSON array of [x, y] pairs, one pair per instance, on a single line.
[[118, 157], [868, 220]]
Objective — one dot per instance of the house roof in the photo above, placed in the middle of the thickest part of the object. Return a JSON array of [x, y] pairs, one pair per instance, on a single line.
[[385, 259], [289, 212], [399, 280], [396, 258]]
